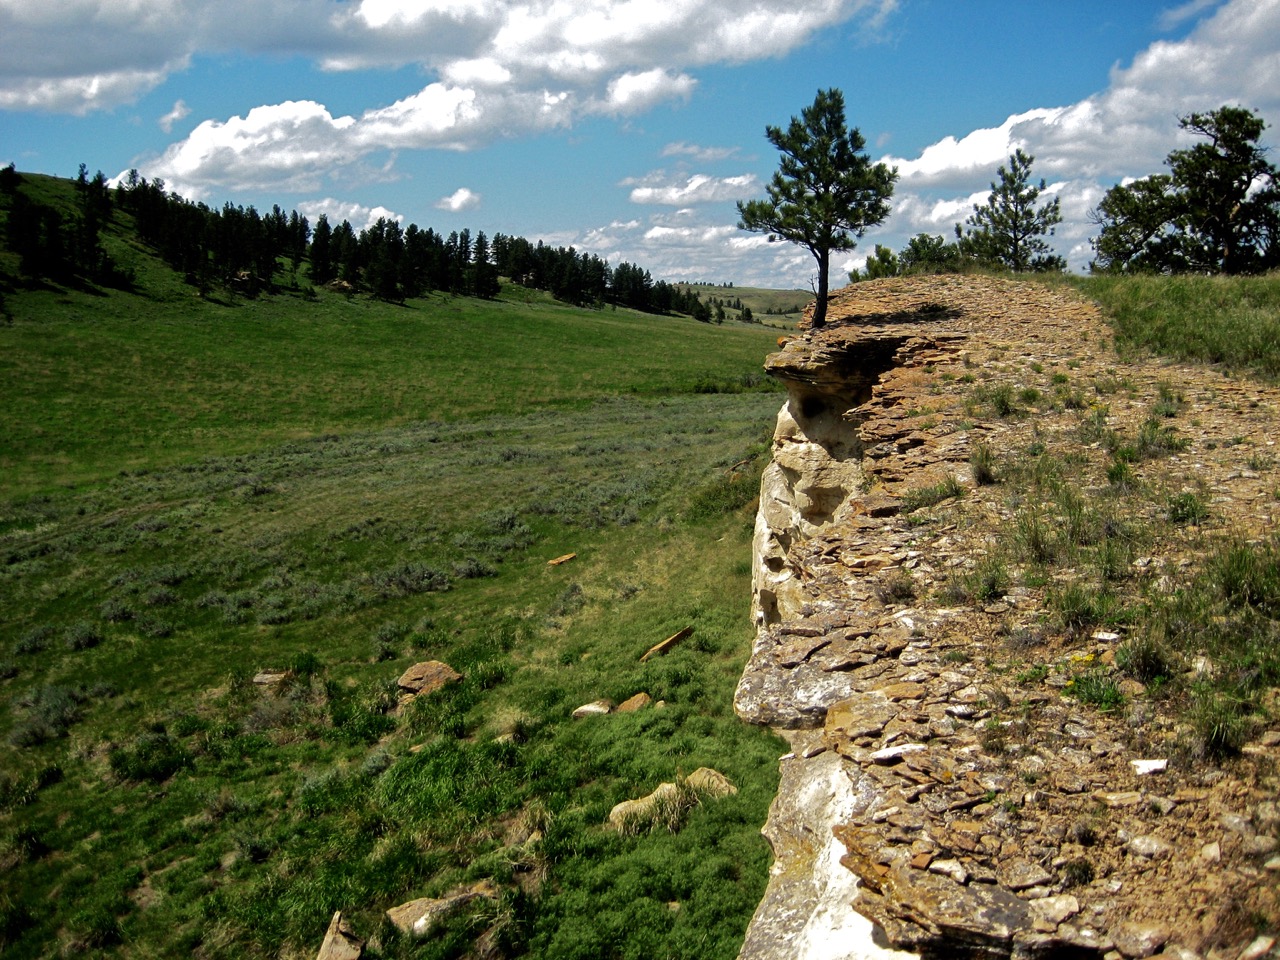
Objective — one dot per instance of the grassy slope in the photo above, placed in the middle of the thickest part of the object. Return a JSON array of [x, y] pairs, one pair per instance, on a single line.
[[1233, 321], [79, 371], [302, 479]]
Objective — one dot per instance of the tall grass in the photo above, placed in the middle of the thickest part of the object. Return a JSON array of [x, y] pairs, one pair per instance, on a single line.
[[1234, 321]]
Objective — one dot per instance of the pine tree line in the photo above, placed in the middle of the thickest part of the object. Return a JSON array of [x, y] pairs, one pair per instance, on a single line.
[[244, 251]]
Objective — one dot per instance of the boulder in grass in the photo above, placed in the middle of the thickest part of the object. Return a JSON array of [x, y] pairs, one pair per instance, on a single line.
[[419, 917], [427, 677], [595, 708], [632, 704]]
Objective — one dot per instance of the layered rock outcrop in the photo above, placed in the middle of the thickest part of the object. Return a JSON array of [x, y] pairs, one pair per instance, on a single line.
[[943, 796]]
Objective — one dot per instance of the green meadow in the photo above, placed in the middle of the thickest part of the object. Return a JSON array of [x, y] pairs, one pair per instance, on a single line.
[[195, 490]]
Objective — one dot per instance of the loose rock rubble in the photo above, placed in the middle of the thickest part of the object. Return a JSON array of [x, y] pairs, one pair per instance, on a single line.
[[986, 814]]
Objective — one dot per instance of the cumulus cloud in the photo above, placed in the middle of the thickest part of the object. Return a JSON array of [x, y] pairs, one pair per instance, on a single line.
[[497, 68], [460, 199]]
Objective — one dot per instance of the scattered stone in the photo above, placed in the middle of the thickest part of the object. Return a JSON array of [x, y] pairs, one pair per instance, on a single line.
[[1055, 910], [269, 678], [596, 708], [340, 941], [1260, 947], [1149, 846], [1144, 767], [904, 691], [658, 649], [857, 717], [637, 702], [894, 754], [1022, 874], [949, 868], [427, 677], [1123, 798], [1139, 939], [1211, 852], [632, 816]]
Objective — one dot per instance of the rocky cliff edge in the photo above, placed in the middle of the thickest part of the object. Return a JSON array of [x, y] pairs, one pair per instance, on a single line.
[[951, 792]]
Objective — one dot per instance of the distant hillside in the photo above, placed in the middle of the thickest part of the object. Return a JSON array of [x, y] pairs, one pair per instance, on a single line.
[[85, 233], [765, 305]]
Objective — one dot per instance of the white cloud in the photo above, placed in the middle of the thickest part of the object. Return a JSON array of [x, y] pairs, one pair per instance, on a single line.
[[179, 112], [357, 214], [499, 68], [1176, 16], [699, 154], [637, 92], [460, 199], [698, 188]]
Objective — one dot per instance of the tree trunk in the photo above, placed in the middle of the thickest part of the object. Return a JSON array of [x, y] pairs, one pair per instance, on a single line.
[[820, 308]]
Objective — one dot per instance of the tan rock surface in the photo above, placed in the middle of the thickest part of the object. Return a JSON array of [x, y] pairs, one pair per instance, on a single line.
[[995, 814]]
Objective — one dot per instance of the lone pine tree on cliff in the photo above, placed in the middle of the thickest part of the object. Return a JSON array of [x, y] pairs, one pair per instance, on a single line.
[[825, 193]]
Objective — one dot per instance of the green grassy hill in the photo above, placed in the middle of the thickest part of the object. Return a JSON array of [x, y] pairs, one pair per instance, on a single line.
[[778, 308], [196, 489]]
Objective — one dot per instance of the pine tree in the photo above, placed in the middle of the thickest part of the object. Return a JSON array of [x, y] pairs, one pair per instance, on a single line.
[[1010, 229], [826, 191]]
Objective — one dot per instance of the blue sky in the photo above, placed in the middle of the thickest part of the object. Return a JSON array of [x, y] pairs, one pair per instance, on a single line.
[[623, 127]]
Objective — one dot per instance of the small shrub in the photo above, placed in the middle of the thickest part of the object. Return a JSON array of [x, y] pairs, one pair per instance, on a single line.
[[153, 756], [153, 627], [34, 640], [1121, 476], [1097, 689], [82, 635], [1219, 721], [1155, 440], [1187, 508], [1000, 398], [1078, 872], [931, 496], [1080, 605], [1035, 538], [1242, 573], [473, 569], [409, 579], [898, 587], [1146, 658], [160, 597], [115, 611], [982, 461]]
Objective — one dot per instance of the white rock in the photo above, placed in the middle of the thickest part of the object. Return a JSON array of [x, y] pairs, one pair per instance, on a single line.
[[594, 709], [895, 753], [1144, 767]]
